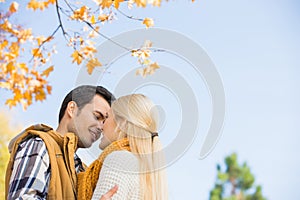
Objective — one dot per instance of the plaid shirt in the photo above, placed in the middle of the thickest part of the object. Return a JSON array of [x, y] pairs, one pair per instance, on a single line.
[[31, 171]]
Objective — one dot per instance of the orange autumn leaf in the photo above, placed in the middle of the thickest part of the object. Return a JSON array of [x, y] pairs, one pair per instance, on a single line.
[[49, 89], [40, 94], [80, 14], [13, 7], [117, 3], [103, 17], [92, 63], [3, 44], [18, 94], [36, 53], [148, 22], [33, 4], [77, 57], [51, 1], [88, 50], [10, 67], [47, 71]]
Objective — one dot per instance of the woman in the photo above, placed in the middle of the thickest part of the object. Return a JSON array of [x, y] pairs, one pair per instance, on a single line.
[[132, 156]]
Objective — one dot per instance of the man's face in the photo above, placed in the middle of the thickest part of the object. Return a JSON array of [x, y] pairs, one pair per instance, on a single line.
[[88, 122]]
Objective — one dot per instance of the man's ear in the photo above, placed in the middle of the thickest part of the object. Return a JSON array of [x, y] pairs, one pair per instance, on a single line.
[[71, 109]]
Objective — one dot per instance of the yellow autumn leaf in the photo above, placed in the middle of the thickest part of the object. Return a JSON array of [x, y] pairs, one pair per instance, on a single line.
[[14, 48], [10, 67], [145, 72], [40, 94], [105, 3], [40, 40], [141, 3], [93, 20], [138, 72], [23, 67], [92, 63], [47, 71], [153, 67], [150, 69], [24, 35], [145, 53], [94, 32], [156, 2], [146, 62], [10, 103], [77, 57], [18, 94], [148, 22], [28, 96], [13, 7]]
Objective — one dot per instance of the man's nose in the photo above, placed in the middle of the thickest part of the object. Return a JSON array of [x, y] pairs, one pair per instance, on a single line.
[[100, 126]]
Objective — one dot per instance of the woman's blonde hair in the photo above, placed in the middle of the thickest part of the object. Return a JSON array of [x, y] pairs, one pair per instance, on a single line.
[[137, 118]]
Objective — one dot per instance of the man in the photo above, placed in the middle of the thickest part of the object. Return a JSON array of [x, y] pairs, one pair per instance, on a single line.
[[43, 162]]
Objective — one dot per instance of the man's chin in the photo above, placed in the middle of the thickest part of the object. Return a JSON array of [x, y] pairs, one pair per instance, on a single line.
[[81, 145]]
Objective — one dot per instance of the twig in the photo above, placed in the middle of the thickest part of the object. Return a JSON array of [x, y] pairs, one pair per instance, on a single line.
[[48, 38], [104, 36], [129, 17]]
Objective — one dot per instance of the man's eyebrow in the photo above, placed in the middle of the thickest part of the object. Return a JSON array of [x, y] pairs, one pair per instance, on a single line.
[[100, 113]]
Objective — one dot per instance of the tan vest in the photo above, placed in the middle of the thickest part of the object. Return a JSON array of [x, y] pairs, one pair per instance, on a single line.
[[61, 150]]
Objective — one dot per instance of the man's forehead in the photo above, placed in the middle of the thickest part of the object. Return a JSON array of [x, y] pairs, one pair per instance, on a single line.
[[100, 103]]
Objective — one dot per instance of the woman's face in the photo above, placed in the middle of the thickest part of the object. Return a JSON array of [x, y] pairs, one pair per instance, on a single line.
[[109, 134]]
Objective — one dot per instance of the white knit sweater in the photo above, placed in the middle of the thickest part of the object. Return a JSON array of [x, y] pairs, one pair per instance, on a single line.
[[119, 168]]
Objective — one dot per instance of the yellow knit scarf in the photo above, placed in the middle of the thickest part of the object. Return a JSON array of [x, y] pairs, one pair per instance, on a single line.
[[86, 181]]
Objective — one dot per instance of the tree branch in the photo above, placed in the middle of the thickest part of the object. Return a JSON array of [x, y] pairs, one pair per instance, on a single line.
[[101, 34], [60, 21]]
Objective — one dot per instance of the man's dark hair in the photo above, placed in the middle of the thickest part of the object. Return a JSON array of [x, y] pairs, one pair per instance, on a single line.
[[83, 95]]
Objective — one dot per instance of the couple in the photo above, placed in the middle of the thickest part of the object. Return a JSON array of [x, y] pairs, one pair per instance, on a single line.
[[44, 164]]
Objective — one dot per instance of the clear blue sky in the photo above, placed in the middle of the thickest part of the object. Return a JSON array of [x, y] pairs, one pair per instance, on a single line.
[[255, 46]]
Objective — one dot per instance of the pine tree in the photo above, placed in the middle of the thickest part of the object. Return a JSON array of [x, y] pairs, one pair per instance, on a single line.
[[236, 182]]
